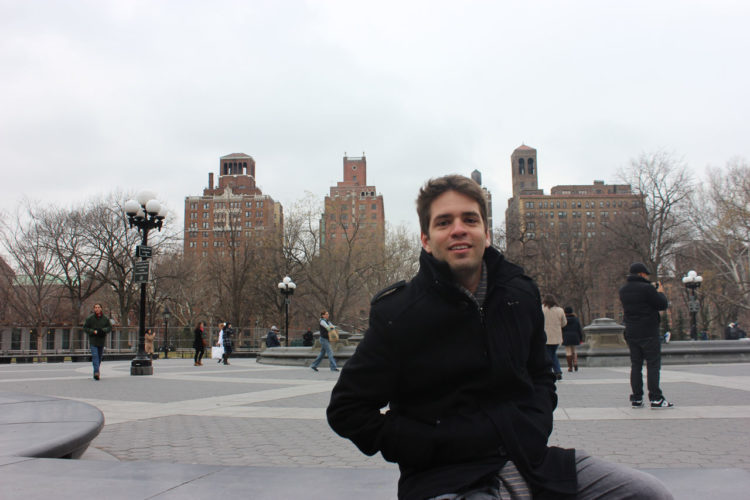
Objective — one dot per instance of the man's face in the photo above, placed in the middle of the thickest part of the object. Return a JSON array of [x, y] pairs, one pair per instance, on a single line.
[[457, 234], [98, 310], [325, 315]]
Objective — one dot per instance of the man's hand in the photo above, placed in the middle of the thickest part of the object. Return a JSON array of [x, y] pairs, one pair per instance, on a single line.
[[659, 287]]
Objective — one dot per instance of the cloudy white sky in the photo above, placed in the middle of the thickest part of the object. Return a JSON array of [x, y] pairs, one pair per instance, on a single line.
[[105, 94]]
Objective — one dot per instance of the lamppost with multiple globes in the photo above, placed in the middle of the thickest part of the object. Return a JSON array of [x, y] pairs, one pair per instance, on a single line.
[[692, 282], [145, 213], [286, 287], [166, 314]]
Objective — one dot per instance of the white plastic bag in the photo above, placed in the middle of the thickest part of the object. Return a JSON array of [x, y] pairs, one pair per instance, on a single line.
[[217, 352]]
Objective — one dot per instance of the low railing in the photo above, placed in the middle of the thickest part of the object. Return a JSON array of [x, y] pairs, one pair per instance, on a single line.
[[69, 342]]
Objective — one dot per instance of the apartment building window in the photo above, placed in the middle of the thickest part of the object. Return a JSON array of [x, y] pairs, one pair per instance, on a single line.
[[205, 244], [373, 216], [205, 225], [206, 206], [204, 253], [192, 244], [193, 206], [193, 225], [248, 204], [193, 215], [530, 225], [562, 215], [248, 223], [205, 215], [529, 204]]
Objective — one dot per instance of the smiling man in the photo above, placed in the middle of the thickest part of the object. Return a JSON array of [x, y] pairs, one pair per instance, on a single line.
[[458, 356]]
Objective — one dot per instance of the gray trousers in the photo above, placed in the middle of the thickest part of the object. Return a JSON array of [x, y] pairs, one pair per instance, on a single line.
[[597, 479]]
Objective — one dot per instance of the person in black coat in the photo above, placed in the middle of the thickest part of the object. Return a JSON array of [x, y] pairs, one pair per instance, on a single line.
[[641, 302], [572, 337], [307, 338], [199, 344], [272, 338], [457, 355]]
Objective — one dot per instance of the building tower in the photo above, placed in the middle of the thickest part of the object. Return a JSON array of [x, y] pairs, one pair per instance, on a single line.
[[524, 169], [230, 213], [353, 210]]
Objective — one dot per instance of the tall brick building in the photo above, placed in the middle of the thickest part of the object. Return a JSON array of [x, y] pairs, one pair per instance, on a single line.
[[235, 204], [565, 231], [352, 208]]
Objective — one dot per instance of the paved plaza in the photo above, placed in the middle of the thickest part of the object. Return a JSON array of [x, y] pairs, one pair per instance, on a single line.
[[250, 414]]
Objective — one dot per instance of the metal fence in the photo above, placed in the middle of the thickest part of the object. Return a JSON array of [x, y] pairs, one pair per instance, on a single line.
[[23, 340]]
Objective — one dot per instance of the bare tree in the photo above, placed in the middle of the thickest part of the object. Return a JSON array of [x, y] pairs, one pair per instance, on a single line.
[[64, 237], [721, 214], [34, 289], [654, 231]]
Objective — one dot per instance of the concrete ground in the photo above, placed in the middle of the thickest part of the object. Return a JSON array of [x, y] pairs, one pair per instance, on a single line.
[[267, 423]]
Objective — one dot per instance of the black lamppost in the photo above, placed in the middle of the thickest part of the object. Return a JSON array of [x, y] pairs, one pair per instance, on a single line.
[[145, 213], [286, 287], [692, 282], [166, 314]]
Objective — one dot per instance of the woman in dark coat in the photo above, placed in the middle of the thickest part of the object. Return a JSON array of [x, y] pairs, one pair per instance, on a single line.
[[572, 336], [199, 344]]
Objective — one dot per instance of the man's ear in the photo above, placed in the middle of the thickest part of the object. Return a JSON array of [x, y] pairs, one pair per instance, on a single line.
[[487, 238], [425, 242]]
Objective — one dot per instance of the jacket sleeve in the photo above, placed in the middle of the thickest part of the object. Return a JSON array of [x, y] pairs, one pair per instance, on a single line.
[[107, 328], [658, 299], [87, 326], [366, 385], [563, 319]]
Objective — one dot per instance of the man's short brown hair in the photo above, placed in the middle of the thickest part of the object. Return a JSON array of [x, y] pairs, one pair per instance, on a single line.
[[436, 187]]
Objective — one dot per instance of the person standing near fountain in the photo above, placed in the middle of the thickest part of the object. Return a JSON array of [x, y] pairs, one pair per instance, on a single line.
[[641, 302]]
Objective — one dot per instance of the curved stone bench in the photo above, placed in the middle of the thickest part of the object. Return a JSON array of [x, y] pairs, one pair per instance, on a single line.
[[46, 427]]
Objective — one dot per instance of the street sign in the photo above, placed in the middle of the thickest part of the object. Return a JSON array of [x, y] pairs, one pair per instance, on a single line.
[[143, 251], [141, 272]]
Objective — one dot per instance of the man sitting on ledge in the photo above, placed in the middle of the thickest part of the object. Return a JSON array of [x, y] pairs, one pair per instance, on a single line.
[[458, 356]]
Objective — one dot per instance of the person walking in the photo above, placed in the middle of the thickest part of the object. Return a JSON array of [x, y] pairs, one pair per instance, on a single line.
[[572, 337], [272, 338], [456, 357], [641, 302], [228, 340], [97, 326], [220, 342], [325, 344], [148, 343], [554, 320], [199, 344]]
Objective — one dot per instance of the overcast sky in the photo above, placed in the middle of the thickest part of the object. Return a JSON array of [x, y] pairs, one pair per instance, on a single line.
[[99, 95]]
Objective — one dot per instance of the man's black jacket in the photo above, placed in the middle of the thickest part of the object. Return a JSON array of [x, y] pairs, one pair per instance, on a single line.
[[641, 304], [467, 387]]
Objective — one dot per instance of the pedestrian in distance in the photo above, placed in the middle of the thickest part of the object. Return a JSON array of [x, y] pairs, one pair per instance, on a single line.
[[641, 302], [220, 341], [554, 321], [199, 344], [307, 338], [572, 337], [272, 338], [148, 343], [97, 326], [228, 341], [325, 344], [457, 357]]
